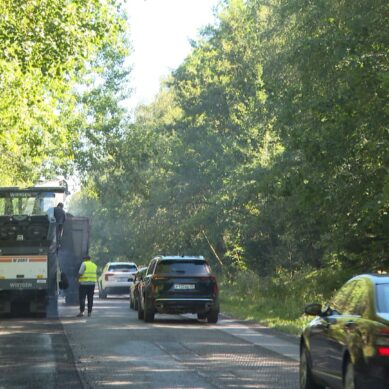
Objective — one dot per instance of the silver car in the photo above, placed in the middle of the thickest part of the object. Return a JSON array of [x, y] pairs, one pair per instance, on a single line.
[[116, 278]]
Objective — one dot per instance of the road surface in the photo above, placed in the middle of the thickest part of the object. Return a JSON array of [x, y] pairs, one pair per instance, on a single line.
[[113, 349]]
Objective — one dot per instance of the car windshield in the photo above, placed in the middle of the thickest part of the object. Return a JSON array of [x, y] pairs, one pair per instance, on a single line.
[[196, 267], [383, 298], [122, 267]]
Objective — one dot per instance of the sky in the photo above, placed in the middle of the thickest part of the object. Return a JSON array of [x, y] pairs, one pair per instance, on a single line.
[[160, 34]]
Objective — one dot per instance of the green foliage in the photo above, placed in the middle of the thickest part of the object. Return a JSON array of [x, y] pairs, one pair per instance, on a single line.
[[265, 150], [323, 70], [46, 50], [278, 301]]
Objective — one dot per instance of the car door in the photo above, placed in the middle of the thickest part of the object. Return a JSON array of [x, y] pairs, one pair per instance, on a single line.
[[322, 332], [347, 331]]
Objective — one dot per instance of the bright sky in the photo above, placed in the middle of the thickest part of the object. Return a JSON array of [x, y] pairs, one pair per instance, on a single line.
[[160, 35]]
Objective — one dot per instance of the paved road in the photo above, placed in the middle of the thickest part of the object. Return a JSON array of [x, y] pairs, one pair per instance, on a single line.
[[113, 349], [34, 353]]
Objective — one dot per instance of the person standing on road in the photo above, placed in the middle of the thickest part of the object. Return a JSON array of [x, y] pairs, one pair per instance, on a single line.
[[87, 281], [60, 218]]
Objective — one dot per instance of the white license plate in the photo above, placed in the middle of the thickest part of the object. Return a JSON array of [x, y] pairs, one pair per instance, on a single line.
[[123, 279], [184, 286]]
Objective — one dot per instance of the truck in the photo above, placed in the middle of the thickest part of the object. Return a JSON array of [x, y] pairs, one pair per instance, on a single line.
[[31, 259]]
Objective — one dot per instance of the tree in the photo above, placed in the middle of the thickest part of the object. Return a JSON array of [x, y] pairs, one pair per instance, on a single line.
[[324, 74], [46, 48]]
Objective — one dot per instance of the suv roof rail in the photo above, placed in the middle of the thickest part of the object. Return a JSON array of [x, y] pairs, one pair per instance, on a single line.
[[181, 257]]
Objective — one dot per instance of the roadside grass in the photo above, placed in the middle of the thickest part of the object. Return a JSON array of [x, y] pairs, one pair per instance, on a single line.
[[279, 302]]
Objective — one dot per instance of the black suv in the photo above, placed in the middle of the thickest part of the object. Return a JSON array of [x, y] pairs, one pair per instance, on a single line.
[[175, 284]]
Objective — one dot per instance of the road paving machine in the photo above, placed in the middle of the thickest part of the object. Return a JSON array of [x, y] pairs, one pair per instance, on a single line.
[[31, 259]]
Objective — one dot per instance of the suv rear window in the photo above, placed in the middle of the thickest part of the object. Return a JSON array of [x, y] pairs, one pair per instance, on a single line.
[[122, 267], [196, 268]]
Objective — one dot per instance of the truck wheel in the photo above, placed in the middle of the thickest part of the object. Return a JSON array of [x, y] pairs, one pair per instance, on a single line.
[[148, 313]]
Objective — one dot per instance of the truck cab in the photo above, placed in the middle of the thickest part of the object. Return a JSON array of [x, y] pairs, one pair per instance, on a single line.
[[29, 269]]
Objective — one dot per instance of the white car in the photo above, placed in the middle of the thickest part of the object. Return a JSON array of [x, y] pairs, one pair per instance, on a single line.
[[116, 278]]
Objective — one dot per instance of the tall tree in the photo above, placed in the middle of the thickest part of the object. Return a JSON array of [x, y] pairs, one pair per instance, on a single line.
[[325, 73], [46, 48]]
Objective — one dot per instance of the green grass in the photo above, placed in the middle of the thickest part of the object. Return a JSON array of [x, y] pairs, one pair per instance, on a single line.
[[278, 302], [268, 312]]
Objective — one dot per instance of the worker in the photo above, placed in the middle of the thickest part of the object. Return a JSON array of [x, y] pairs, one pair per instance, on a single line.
[[60, 218], [87, 281]]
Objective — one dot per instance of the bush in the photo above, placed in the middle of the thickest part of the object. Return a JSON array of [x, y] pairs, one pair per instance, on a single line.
[[279, 301]]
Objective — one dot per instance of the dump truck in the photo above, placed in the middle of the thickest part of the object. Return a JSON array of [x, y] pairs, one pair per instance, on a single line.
[[31, 259]]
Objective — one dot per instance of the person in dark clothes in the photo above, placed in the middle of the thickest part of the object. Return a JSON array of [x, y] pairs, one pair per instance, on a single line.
[[60, 218], [87, 280]]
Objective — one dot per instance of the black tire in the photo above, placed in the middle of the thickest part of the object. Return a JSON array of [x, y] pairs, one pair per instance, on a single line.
[[349, 376], [102, 292], [213, 316], [140, 311], [306, 378], [148, 313]]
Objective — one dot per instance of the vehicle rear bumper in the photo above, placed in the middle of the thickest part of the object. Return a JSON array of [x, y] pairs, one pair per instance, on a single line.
[[117, 290], [117, 284], [23, 283], [183, 305]]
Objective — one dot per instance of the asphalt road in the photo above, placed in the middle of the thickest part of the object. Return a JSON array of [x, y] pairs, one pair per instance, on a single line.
[[113, 349], [35, 353]]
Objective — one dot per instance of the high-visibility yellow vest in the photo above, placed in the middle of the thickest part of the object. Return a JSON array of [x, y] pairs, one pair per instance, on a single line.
[[89, 274]]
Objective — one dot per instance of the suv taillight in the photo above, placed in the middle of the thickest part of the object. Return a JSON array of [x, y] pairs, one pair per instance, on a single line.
[[383, 351], [107, 275], [382, 342]]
